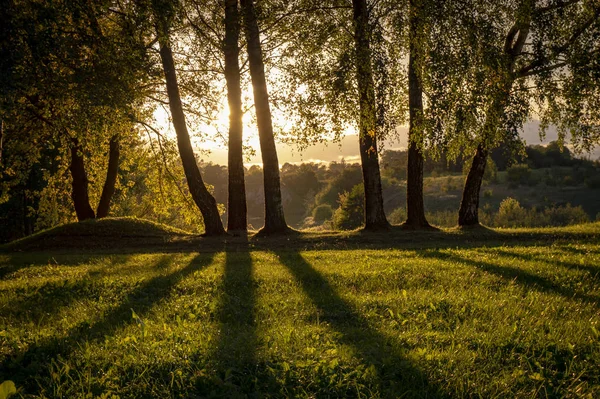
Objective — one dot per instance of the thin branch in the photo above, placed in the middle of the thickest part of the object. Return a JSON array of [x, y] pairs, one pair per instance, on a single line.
[[541, 61]]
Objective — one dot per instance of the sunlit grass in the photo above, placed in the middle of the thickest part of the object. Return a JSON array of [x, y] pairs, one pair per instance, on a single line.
[[517, 319]]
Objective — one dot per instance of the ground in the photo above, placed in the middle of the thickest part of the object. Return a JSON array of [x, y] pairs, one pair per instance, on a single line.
[[478, 313]]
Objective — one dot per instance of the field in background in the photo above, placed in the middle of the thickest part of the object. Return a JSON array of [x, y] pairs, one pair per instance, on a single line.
[[506, 313]]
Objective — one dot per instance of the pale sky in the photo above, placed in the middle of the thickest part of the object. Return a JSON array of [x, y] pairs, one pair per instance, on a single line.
[[346, 148]]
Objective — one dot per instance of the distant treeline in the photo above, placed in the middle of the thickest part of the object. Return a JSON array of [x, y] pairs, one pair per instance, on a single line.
[[329, 195]]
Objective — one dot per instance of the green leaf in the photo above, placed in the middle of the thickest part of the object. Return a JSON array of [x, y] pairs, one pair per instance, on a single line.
[[7, 388]]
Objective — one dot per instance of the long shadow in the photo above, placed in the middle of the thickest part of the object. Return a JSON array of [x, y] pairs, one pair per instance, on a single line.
[[396, 375], [18, 261], [54, 296], [34, 361], [594, 271], [234, 357], [519, 276]]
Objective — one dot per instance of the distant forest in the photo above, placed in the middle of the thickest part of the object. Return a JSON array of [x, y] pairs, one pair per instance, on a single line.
[[323, 195]]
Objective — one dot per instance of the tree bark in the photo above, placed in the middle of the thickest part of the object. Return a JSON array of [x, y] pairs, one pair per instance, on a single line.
[[1, 138], [236, 203], [111, 178], [468, 215], [415, 207], [374, 214], [79, 185], [204, 200], [274, 217]]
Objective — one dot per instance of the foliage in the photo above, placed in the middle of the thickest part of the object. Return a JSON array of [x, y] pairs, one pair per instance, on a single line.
[[398, 216], [512, 214], [350, 213], [7, 389], [519, 174], [322, 213]]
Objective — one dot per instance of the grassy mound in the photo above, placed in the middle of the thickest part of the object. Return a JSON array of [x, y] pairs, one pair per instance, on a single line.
[[102, 233]]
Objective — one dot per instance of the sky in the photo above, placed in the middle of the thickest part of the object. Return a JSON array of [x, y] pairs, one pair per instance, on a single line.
[[215, 150]]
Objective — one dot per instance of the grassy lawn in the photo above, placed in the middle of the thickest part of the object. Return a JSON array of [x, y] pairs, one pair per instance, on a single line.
[[447, 314]]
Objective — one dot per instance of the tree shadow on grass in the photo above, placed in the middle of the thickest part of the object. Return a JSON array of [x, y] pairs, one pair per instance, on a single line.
[[234, 357], [397, 376], [593, 270], [35, 360], [41, 304], [519, 276], [14, 262]]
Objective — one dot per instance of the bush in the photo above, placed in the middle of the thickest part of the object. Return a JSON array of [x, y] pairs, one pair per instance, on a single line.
[[488, 193], [511, 214], [565, 215], [398, 216], [350, 214], [322, 213]]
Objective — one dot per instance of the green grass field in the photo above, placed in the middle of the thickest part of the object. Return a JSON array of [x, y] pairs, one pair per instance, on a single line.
[[482, 313]]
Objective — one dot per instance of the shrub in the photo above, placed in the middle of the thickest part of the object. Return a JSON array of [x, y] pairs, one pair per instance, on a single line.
[[565, 215], [322, 213], [510, 214], [350, 214], [398, 216], [488, 193]]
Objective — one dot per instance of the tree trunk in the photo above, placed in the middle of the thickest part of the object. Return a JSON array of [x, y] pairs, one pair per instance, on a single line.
[[111, 178], [1, 138], [468, 215], [80, 197], [415, 207], [274, 217], [236, 203], [203, 199], [374, 213]]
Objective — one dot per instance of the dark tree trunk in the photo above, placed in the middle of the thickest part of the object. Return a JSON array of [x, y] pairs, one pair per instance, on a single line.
[[1, 138], [236, 203], [468, 215], [204, 200], [274, 217], [374, 213], [79, 194], [111, 178], [415, 207]]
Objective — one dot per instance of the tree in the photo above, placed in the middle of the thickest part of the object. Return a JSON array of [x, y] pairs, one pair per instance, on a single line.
[[374, 213], [163, 14], [73, 68], [415, 208], [496, 64], [512, 49], [236, 204], [274, 217]]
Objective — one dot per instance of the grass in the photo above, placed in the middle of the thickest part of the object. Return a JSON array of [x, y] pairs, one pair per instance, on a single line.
[[102, 233], [483, 313]]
